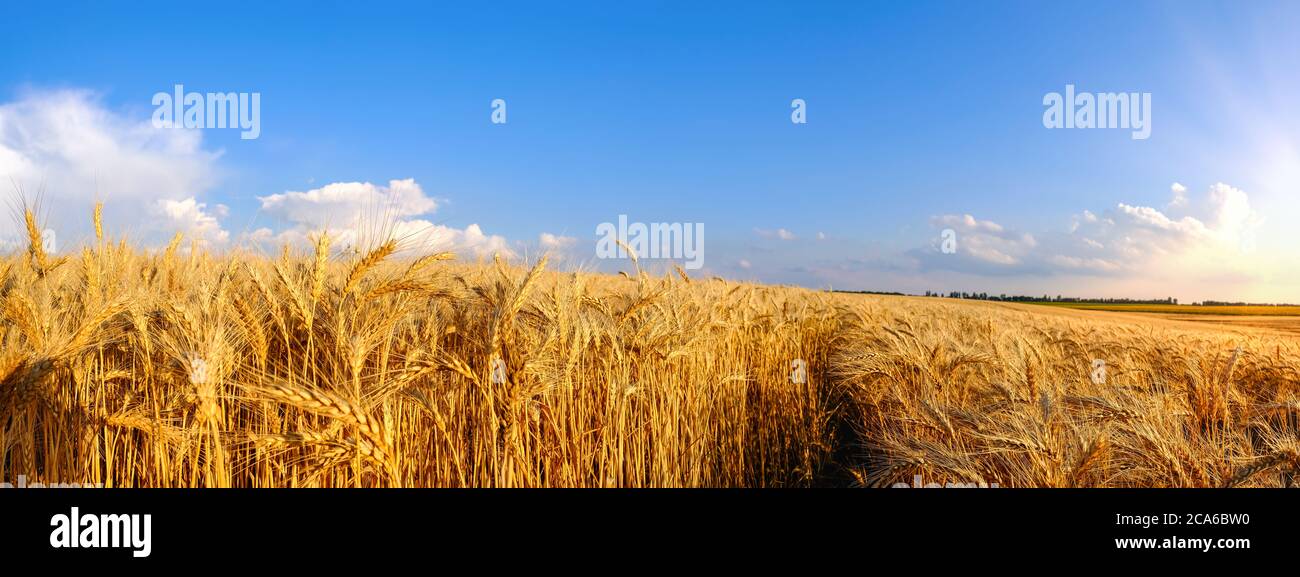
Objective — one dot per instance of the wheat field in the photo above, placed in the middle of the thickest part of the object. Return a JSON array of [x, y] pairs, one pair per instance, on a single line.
[[179, 367]]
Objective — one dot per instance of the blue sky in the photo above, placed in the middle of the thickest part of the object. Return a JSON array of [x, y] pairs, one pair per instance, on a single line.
[[919, 114]]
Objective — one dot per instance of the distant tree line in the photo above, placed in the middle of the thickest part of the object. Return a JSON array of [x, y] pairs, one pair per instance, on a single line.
[[1120, 301], [1063, 299], [1242, 304], [1049, 299]]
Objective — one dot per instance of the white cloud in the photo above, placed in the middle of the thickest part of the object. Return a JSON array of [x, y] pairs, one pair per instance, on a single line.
[[979, 243], [70, 148], [347, 203], [560, 248], [73, 151], [779, 234], [968, 223], [550, 241], [745, 264], [1179, 199], [1230, 212], [360, 214], [1128, 240], [1194, 235], [471, 240], [193, 219]]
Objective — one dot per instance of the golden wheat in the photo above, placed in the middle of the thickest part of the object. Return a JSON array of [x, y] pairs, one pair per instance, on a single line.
[[144, 369]]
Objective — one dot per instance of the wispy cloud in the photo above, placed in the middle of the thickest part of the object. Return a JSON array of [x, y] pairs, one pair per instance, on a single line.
[[778, 234]]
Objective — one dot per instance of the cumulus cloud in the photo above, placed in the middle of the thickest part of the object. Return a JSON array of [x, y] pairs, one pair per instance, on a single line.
[[359, 214], [1185, 238], [560, 248], [195, 220], [1131, 237], [73, 150], [550, 241], [345, 203], [70, 148], [471, 240], [979, 245]]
